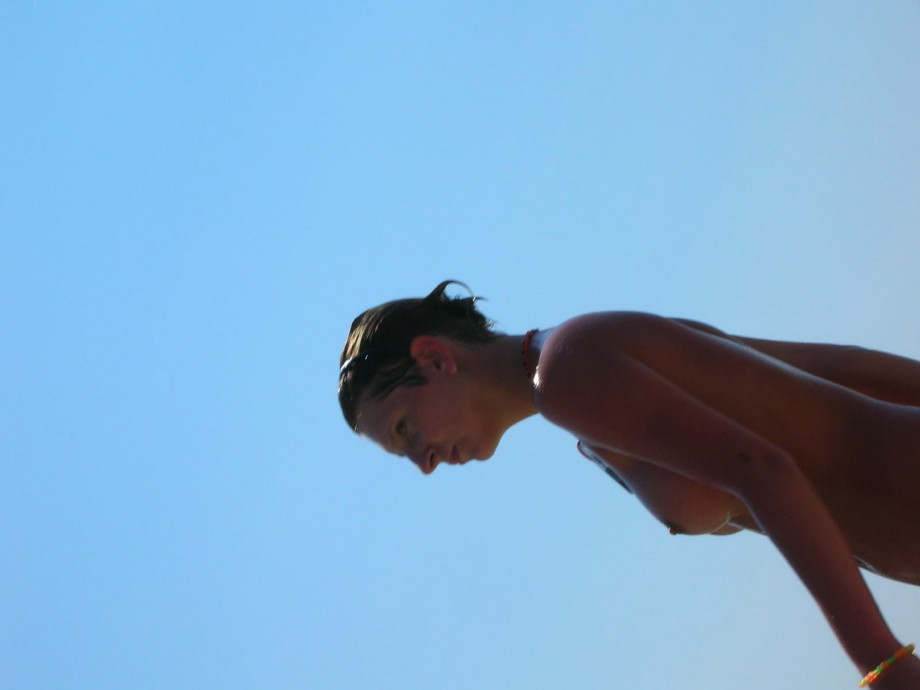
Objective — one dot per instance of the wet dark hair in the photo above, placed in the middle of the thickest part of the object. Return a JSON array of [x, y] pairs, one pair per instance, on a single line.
[[376, 352]]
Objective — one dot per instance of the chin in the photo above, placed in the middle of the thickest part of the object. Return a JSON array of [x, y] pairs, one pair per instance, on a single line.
[[482, 446], [485, 453]]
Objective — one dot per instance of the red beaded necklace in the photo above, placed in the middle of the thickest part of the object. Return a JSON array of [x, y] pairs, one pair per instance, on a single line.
[[525, 353]]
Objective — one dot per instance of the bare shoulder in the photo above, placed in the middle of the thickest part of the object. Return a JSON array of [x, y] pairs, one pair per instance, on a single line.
[[591, 339], [587, 348], [604, 329]]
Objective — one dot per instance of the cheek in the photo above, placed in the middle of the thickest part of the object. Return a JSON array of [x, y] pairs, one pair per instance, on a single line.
[[443, 425], [448, 412]]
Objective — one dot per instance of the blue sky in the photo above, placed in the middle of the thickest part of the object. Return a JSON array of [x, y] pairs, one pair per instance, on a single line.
[[197, 198]]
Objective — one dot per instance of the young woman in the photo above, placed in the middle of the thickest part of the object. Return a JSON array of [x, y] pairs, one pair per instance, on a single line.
[[815, 446]]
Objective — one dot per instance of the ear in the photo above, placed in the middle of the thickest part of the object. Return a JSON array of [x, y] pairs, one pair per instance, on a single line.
[[434, 352]]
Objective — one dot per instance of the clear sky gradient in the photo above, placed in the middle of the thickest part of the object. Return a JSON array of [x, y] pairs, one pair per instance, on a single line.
[[197, 198]]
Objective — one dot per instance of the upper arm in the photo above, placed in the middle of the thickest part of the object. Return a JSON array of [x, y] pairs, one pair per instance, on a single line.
[[591, 385]]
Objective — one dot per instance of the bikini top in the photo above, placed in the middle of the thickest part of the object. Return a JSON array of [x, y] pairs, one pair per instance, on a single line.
[[600, 462]]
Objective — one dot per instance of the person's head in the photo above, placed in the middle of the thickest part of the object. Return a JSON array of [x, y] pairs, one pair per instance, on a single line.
[[378, 354]]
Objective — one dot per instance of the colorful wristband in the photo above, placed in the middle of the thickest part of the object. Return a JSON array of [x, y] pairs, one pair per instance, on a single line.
[[873, 675]]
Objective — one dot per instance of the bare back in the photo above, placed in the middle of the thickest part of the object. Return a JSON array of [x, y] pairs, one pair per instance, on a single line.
[[879, 375]]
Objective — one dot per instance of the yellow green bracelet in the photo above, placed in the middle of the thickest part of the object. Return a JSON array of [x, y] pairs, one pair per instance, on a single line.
[[873, 675]]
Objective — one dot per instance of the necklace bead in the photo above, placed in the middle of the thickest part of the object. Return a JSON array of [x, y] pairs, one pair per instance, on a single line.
[[525, 353]]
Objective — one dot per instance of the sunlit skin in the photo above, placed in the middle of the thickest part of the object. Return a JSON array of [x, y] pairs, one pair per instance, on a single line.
[[816, 446]]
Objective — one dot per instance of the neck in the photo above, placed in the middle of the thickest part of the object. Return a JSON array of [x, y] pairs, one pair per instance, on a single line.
[[499, 371]]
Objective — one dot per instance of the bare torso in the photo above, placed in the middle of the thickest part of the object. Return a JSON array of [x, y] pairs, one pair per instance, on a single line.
[[849, 417]]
